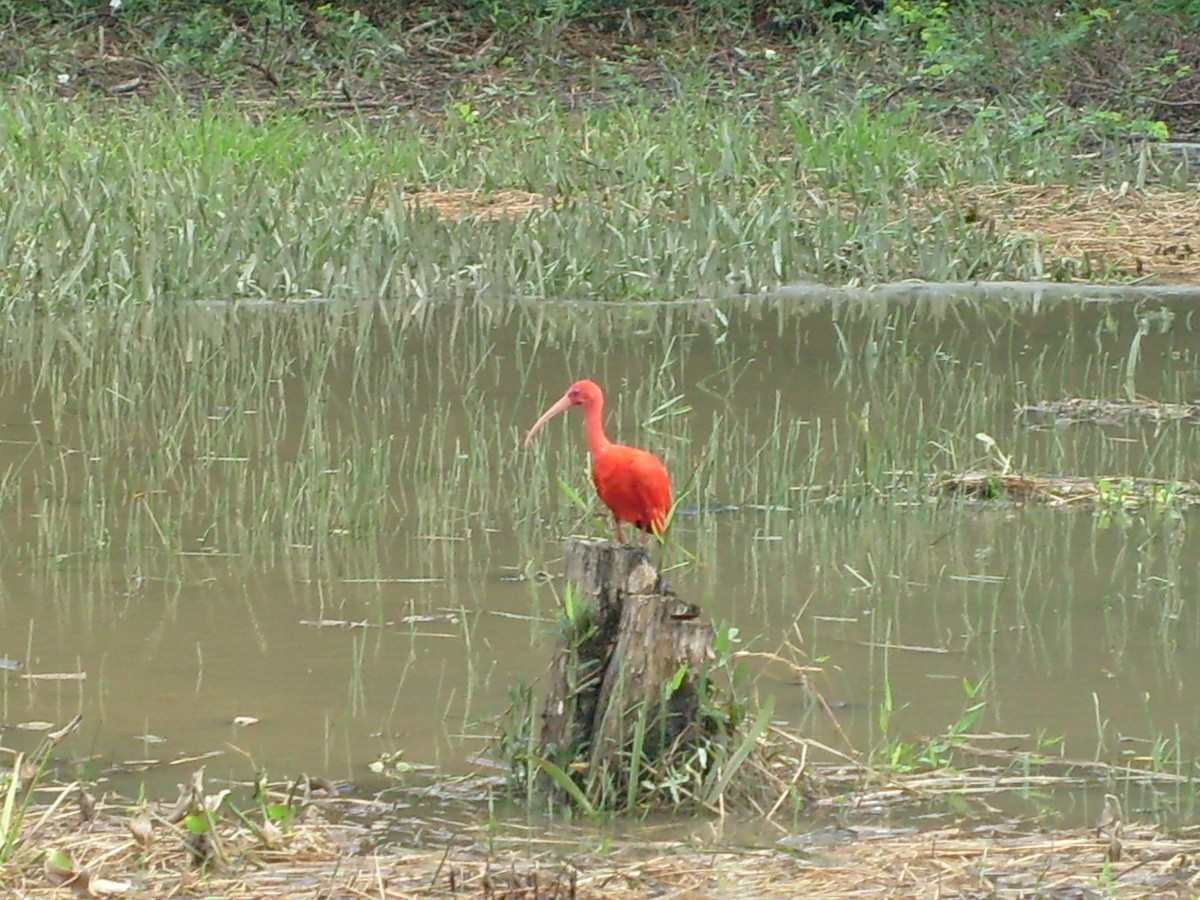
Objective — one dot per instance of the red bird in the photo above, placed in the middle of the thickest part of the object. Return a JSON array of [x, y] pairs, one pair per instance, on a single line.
[[632, 483]]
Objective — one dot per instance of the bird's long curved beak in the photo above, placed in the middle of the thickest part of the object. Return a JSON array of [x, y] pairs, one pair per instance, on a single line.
[[561, 405]]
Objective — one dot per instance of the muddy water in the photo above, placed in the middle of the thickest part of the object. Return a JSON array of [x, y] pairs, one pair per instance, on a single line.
[[322, 519]]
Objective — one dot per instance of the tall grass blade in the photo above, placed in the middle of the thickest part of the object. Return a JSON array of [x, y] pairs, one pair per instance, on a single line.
[[568, 786], [761, 723]]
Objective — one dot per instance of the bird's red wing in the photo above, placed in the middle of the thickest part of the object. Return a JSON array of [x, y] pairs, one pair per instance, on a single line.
[[634, 484], [655, 489]]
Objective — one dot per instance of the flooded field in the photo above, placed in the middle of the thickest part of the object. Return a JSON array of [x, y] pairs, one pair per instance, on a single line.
[[321, 518]]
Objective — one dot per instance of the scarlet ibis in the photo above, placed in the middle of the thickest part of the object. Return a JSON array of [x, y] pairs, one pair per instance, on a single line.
[[632, 483]]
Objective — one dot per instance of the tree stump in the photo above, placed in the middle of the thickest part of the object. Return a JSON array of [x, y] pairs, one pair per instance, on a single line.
[[626, 686]]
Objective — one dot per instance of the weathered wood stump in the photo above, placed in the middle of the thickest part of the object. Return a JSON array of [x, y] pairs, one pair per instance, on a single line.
[[626, 686]]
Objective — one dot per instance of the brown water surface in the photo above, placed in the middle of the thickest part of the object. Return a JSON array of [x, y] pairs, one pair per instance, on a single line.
[[188, 495]]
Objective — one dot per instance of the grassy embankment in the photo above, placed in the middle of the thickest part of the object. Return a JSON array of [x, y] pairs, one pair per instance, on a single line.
[[913, 145]]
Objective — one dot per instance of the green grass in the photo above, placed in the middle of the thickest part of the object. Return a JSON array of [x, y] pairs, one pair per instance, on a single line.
[[707, 198]]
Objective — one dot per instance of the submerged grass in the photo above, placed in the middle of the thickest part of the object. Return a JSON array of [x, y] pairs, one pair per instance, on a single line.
[[217, 416], [247, 433]]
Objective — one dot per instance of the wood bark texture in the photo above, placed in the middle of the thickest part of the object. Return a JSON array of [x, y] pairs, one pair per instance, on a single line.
[[635, 659]]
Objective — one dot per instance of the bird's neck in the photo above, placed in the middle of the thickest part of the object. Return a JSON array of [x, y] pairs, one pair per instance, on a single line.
[[593, 429]]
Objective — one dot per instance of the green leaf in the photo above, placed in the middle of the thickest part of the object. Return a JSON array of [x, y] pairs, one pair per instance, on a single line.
[[663, 410], [277, 812], [635, 762], [573, 495], [196, 824], [677, 679], [59, 867], [564, 781], [571, 605], [761, 723]]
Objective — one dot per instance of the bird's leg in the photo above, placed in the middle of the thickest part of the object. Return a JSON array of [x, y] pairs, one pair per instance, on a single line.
[[620, 533]]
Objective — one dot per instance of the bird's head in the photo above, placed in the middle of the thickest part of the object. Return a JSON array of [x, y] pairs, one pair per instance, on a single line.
[[582, 393]]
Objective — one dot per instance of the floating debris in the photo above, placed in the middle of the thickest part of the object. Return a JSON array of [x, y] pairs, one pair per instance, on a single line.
[[712, 509], [339, 623], [195, 757], [363, 623], [1109, 412], [1071, 491], [136, 765]]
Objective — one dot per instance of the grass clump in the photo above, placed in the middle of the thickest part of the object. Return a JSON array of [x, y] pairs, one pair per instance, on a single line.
[[646, 705], [18, 786]]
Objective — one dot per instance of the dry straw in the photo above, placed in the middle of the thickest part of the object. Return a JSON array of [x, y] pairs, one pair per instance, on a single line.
[[317, 858], [459, 204], [114, 848], [1142, 233]]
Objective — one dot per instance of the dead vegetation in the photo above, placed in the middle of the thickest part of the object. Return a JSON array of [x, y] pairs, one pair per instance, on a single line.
[[1069, 491], [1101, 231], [305, 839], [112, 851], [1108, 412], [488, 205]]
